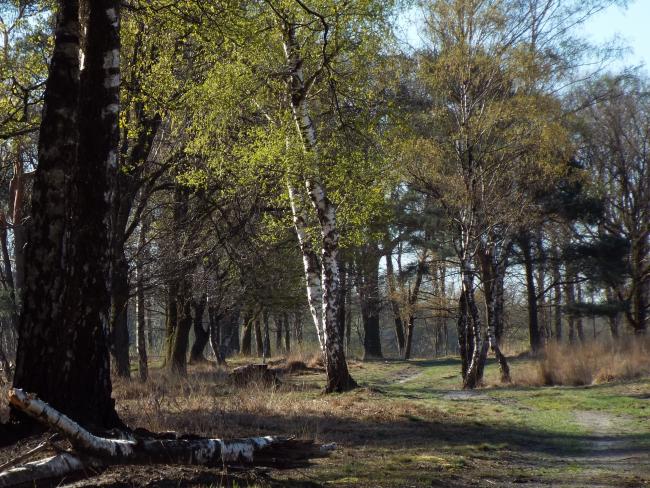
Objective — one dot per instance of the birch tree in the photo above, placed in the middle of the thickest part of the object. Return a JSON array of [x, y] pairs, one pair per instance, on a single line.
[[65, 302]]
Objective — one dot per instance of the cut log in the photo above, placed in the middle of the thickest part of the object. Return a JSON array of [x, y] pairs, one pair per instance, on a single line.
[[57, 466], [254, 373], [91, 451]]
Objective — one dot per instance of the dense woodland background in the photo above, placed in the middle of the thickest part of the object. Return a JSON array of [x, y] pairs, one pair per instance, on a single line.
[[290, 175]]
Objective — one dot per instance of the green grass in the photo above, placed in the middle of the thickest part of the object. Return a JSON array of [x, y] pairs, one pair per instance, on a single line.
[[410, 424], [516, 434]]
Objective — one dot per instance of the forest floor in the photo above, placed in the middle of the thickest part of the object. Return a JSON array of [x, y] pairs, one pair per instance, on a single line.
[[408, 425]]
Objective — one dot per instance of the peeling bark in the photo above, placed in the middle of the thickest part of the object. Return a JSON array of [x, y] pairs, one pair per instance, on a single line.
[[338, 376], [99, 452]]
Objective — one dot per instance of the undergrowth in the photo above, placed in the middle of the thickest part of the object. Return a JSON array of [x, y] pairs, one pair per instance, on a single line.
[[587, 364]]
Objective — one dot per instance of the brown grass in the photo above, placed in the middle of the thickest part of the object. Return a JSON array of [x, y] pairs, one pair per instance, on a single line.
[[587, 364], [206, 403]]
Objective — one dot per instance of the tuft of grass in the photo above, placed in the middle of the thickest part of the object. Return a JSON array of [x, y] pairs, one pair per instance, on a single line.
[[587, 364]]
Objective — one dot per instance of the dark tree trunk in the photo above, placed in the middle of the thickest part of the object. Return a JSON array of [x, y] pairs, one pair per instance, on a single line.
[[180, 339], [343, 294], [412, 302], [287, 332], [297, 327], [277, 320], [410, 328], [557, 294], [640, 259], [266, 345], [141, 305], [394, 304], [119, 325], [569, 293], [201, 335], [247, 335], [533, 321], [579, 322], [8, 274], [230, 337], [615, 317], [370, 299], [259, 339], [465, 348], [479, 348], [216, 335], [62, 352]]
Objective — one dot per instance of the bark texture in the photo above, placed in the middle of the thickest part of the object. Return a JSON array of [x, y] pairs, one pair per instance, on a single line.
[[66, 301], [338, 376]]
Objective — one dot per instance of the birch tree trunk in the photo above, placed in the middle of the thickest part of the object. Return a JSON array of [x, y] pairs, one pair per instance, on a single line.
[[479, 347], [492, 272], [338, 376], [66, 299], [310, 264]]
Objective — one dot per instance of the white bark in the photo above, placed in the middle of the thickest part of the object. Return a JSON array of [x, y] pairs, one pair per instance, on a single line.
[[310, 262], [325, 209], [212, 452], [53, 467]]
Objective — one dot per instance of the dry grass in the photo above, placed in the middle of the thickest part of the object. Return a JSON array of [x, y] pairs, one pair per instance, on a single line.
[[207, 403], [587, 364]]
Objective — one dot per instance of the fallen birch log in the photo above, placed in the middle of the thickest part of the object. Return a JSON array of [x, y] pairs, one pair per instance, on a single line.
[[91, 451]]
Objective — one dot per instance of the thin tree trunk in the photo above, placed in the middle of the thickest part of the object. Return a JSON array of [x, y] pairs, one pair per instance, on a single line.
[[16, 210], [259, 339], [179, 341], [119, 325], [369, 297], [640, 259], [297, 327], [287, 332], [412, 302], [579, 322], [394, 303], [247, 335], [479, 348], [491, 271], [201, 335], [533, 321], [266, 346], [343, 293], [310, 264], [8, 272], [277, 321], [140, 305], [338, 376], [614, 318], [557, 294]]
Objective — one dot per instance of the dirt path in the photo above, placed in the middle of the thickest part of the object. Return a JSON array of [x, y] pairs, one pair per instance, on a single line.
[[612, 448]]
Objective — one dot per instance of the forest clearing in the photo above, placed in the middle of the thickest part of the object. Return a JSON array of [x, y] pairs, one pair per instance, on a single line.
[[408, 424], [375, 243]]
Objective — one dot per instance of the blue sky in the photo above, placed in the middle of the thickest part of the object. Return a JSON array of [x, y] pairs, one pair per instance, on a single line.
[[631, 25]]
